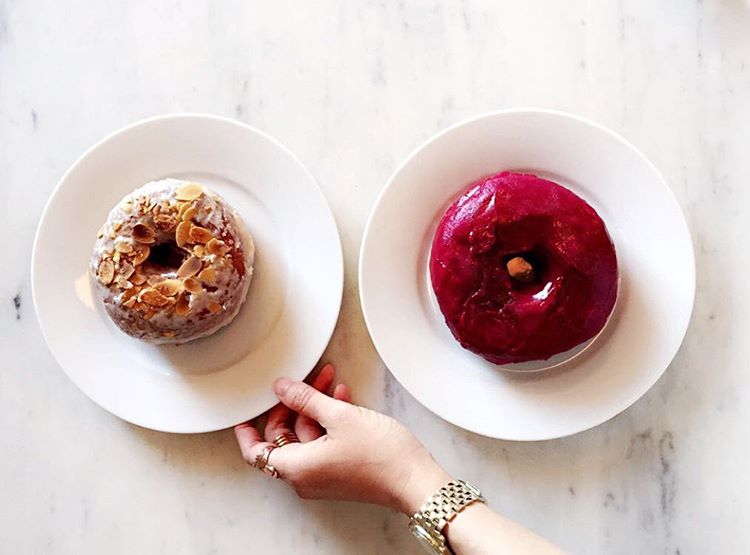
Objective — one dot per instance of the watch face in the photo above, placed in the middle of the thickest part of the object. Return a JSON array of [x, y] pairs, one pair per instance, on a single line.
[[425, 539]]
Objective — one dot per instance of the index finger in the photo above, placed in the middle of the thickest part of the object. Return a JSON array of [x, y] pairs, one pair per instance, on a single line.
[[305, 427]]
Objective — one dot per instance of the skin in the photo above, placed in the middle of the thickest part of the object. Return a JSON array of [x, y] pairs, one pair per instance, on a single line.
[[335, 459]]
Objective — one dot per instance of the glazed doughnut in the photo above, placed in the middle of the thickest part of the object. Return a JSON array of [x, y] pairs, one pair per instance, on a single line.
[[172, 263], [522, 269]]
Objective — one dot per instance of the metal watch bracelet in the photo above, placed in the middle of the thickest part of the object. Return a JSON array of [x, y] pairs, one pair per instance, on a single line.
[[427, 524]]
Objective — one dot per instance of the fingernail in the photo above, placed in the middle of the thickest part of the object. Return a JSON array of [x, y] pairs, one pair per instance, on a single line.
[[281, 385]]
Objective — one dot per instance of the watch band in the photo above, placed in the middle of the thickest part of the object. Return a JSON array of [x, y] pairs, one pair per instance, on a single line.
[[440, 509]]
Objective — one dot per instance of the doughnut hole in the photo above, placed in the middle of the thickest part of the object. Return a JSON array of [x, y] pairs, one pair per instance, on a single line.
[[164, 258]]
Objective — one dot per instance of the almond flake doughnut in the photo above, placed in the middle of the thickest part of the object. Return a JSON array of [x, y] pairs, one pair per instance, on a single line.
[[172, 263]]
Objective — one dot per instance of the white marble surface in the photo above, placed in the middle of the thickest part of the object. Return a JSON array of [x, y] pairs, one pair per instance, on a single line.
[[352, 88]]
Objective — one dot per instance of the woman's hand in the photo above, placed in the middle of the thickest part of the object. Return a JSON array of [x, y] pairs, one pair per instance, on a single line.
[[349, 452], [346, 452]]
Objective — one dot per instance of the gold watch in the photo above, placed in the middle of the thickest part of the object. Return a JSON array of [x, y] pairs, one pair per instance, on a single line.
[[427, 524]]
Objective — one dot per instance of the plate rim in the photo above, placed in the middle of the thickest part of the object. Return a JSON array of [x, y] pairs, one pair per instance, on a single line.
[[531, 111], [339, 262]]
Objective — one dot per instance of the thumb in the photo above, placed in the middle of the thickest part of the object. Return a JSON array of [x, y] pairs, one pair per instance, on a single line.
[[306, 400]]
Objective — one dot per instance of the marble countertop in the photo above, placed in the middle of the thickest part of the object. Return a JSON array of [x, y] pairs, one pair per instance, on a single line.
[[352, 88]]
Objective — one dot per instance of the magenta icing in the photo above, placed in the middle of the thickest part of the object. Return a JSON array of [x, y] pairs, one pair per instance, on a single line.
[[503, 320]]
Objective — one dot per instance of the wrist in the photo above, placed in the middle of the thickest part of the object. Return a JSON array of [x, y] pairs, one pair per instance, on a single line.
[[473, 510], [425, 477]]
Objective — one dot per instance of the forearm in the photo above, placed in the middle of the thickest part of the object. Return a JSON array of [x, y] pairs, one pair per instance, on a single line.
[[477, 530]]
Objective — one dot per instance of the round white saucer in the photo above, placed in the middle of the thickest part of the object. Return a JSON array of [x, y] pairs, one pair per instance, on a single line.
[[655, 256], [294, 297]]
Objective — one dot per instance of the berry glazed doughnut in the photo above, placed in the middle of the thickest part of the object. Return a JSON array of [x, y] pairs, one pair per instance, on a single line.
[[172, 263], [522, 269]]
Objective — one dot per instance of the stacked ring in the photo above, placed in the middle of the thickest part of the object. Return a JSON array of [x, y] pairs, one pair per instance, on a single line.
[[261, 462], [285, 439]]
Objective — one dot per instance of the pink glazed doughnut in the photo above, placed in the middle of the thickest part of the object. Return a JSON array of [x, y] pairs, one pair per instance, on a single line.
[[522, 268]]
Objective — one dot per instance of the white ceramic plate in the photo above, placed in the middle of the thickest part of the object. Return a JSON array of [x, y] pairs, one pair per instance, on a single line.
[[291, 308], [654, 251]]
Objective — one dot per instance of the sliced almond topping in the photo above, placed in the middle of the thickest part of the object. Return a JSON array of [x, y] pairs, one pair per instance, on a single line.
[[182, 307], [112, 235], [214, 307], [123, 283], [141, 253], [123, 246], [128, 294], [106, 271], [208, 275], [200, 234], [126, 270], [130, 302], [189, 191], [189, 214], [152, 297], [164, 222], [100, 233], [217, 247], [181, 207], [116, 257], [169, 287], [138, 279], [189, 268], [144, 234], [221, 263], [193, 286], [182, 235], [199, 251], [116, 226], [153, 280]]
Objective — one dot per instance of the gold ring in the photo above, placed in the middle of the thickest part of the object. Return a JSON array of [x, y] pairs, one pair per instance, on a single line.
[[285, 439], [261, 462]]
